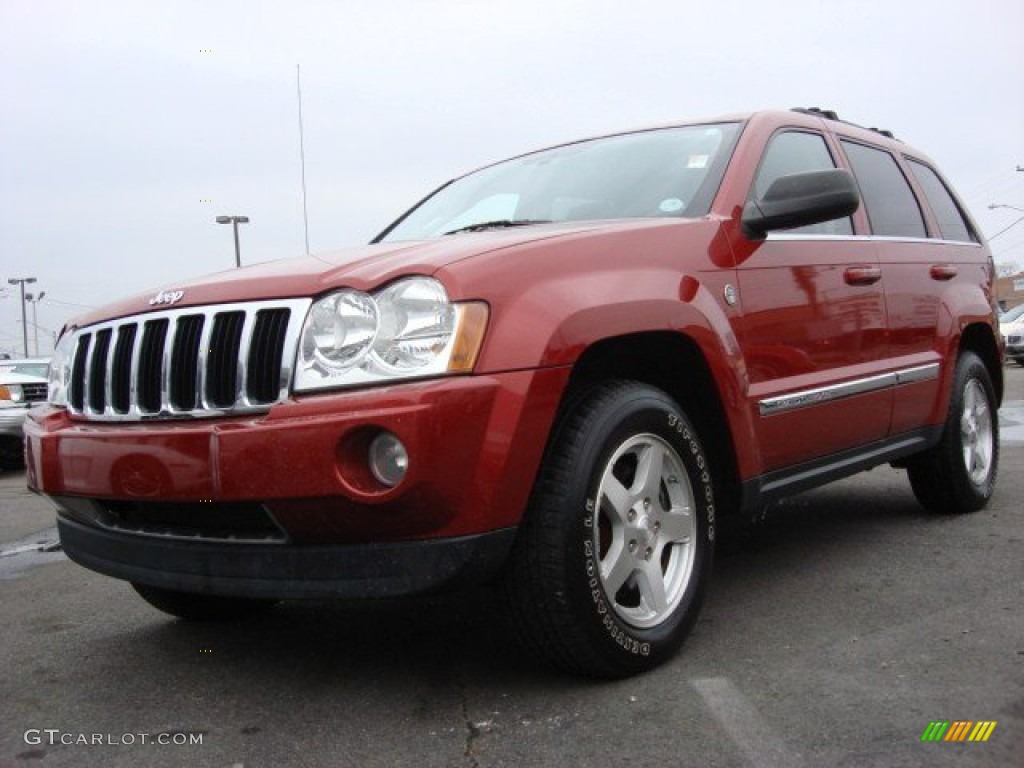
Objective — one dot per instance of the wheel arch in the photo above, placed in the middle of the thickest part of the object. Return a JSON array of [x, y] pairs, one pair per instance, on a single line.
[[980, 339], [675, 364]]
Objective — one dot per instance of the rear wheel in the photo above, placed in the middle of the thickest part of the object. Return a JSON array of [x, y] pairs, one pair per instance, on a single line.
[[959, 474], [614, 555], [196, 607]]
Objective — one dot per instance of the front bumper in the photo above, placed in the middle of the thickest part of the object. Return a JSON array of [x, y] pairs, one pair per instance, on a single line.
[[280, 572], [474, 445], [12, 418]]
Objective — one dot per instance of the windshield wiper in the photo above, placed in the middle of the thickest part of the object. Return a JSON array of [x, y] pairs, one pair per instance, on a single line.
[[497, 224]]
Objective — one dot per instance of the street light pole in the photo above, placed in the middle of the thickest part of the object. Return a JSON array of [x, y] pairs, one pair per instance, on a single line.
[[234, 221], [35, 320], [24, 322]]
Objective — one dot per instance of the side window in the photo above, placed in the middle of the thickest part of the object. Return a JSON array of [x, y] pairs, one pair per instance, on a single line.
[[798, 152], [952, 223], [890, 203]]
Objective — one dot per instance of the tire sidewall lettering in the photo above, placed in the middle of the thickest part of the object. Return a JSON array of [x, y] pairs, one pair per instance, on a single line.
[[667, 424]]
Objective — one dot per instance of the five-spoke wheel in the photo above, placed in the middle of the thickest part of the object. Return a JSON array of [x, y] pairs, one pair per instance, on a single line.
[[614, 555]]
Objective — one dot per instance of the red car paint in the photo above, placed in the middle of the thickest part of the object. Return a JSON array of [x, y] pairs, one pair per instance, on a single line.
[[808, 314]]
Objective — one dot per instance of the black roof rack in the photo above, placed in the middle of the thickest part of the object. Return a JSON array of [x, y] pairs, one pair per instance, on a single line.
[[828, 114], [831, 114]]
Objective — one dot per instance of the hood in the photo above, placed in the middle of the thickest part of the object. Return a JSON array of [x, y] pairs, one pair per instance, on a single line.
[[20, 378], [364, 268]]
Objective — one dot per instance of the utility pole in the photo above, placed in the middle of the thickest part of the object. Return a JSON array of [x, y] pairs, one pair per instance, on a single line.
[[24, 323], [302, 156]]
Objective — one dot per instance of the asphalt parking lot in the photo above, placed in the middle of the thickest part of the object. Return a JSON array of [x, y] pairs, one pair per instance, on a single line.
[[835, 632]]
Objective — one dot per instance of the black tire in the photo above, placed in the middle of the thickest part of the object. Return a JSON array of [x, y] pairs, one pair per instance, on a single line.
[[565, 601], [12, 453], [959, 474], [196, 607]]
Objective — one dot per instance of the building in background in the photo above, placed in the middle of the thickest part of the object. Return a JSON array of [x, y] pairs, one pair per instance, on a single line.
[[1010, 291]]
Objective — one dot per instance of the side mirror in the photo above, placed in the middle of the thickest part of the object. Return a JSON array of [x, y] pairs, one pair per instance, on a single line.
[[801, 199]]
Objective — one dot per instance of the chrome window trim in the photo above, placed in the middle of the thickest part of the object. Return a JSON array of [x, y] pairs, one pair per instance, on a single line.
[[827, 394], [783, 237]]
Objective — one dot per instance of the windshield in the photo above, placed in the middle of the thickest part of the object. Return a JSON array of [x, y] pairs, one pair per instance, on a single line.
[[33, 368], [1012, 314], [668, 172]]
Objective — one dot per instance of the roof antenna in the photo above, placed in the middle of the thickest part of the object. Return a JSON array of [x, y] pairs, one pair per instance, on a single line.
[[302, 157]]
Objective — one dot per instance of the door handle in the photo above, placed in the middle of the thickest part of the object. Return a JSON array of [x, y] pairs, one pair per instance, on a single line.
[[862, 275], [943, 271]]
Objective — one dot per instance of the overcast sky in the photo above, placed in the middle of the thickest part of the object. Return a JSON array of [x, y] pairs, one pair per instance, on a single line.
[[125, 128]]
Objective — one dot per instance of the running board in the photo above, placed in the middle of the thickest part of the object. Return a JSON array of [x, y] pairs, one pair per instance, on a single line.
[[765, 489]]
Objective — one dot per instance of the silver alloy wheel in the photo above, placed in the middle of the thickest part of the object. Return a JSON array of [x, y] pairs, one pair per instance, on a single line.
[[645, 530], [976, 433]]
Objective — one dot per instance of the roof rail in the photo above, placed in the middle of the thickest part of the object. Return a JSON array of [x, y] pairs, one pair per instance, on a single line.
[[831, 114], [828, 114], [887, 133]]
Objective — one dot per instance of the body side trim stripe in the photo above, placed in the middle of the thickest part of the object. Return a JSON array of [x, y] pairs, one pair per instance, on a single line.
[[819, 395]]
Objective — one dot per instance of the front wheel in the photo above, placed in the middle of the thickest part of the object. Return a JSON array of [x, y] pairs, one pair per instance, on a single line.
[[959, 474], [614, 555], [196, 607], [12, 453]]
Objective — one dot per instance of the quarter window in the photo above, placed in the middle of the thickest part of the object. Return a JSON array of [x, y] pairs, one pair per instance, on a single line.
[[798, 152], [952, 224], [890, 203]]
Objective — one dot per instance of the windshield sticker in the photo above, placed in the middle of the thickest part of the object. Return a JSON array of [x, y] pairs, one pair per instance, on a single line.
[[671, 205], [697, 161]]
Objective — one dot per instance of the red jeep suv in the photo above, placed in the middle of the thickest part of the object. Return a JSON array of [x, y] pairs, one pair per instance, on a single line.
[[561, 372]]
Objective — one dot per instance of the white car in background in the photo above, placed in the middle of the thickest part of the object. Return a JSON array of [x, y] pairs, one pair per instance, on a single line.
[[22, 384], [1011, 325]]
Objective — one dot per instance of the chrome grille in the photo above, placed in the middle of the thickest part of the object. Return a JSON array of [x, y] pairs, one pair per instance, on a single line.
[[34, 393], [194, 361]]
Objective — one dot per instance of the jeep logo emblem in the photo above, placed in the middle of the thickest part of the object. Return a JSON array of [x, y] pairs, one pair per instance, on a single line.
[[166, 297]]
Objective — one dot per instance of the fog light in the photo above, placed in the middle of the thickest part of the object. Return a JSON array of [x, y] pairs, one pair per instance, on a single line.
[[388, 459]]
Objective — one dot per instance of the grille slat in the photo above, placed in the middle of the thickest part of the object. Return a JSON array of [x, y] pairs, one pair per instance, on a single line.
[[185, 363], [97, 387], [34, 393], [121, 372], [263, 369], [150, 365], [202, 361], [222, 359], [76, 397]]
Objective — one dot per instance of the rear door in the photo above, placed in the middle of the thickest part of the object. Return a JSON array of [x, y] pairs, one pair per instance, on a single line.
[[927, 252]]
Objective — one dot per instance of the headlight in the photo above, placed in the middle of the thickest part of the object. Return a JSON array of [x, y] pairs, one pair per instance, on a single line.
[[12, 393], [417, 323], [339, 331], [60, 370], [408, 329]]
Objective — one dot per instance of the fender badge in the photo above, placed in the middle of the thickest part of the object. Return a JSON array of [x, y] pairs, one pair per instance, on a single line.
[[730, 295], [166, 297]]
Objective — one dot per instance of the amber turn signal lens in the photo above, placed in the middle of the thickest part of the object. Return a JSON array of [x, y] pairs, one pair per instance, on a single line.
[[469, 336]]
